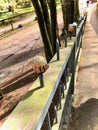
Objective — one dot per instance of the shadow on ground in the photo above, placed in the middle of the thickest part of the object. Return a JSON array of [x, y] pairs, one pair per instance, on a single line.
[[10, 97], [19, 82], [85, 117], [17, 58]]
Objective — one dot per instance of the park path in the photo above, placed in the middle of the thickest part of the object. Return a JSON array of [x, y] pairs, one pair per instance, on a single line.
[[17, 50], [85, 104], [28, 18]]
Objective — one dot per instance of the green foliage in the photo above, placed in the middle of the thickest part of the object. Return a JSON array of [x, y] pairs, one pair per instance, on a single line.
[[2, 4], [6, 14], [12, 5], [23, 3]]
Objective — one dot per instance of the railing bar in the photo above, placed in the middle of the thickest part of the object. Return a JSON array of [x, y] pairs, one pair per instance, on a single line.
[[61, 111], [46, 107], [65, 77], [48, 121], [67, 117], [59, 91], [62, 89], [55, 111], [67, 74]]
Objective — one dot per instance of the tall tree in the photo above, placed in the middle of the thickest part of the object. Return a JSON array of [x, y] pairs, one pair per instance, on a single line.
[[10, 6], [76, 9], [70, 11], [47, 19]]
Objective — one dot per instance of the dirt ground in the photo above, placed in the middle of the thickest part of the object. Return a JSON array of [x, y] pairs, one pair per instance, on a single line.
[[16, 74]]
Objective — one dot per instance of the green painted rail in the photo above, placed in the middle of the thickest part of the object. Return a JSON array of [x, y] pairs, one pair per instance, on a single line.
[[38, 99]]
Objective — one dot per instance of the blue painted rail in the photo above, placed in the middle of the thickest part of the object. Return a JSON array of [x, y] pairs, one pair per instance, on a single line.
[[49, 107]]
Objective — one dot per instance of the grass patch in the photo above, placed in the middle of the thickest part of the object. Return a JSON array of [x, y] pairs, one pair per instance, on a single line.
[[7, 15]]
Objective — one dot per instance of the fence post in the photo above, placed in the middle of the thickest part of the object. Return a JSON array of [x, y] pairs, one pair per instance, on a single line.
[[65, 38], [73, 70], [57, 49]]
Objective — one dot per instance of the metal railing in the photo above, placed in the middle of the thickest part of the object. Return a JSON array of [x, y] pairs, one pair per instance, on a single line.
[[51, 104], [60, 104]]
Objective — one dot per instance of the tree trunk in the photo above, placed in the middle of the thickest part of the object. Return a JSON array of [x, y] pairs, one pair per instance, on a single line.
[[47, 20], [70, 11], [63, 4], [53, 22], [46, 16], [76, 10], [43, 30]]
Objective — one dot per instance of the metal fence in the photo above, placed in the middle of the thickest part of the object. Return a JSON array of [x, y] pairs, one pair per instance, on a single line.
[[59, 107], [54, 113]]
